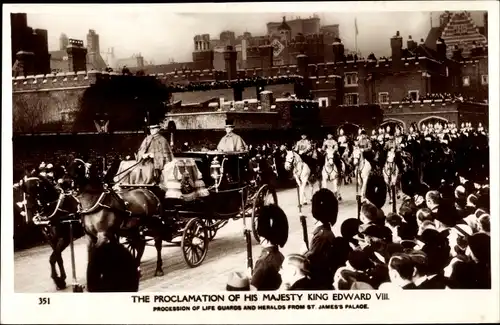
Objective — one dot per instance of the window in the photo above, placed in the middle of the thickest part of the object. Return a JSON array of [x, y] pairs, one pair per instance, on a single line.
[[484, 79], [461, 29], [466, 81], [413, 95], [351, 79], [383, 98], [351, 99], [323, 101]]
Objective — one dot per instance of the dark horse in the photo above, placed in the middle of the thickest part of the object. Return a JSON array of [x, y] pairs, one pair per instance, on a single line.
[[107, 215], [49, 205]]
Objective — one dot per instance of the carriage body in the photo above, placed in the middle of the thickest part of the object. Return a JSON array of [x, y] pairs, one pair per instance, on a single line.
[[228, 191]]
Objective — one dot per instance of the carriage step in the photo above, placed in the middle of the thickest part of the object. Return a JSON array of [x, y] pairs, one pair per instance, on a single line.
[[40, 222]]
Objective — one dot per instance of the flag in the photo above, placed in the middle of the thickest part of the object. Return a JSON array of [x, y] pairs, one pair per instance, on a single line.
[[356, 26]]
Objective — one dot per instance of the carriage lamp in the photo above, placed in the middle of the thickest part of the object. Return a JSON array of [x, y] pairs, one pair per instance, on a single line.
[[215, 172]]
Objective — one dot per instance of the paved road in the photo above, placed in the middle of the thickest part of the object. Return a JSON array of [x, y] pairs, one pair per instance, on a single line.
[[226, 253]]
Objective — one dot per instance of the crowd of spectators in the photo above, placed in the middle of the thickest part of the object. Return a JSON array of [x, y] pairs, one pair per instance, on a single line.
[[435, 241]]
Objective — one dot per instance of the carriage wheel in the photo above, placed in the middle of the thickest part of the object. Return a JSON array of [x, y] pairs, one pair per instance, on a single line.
[[194, 242], [132, 245], [211, 228], [264, 196]]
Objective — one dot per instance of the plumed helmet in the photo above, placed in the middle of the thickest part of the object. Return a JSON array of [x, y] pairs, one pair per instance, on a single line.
[[325, 206], [376, 190], [273, 225], [409, 183]]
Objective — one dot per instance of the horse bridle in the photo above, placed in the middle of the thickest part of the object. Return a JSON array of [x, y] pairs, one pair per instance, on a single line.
[[86, 165], [37, 215]]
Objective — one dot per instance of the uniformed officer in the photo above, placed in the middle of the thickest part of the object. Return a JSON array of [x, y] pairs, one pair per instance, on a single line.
[[303, 146], [231, 142], [272, 228], [155, 147], [388, 132], [305, 149], [364, 142], [342, 141], [321, 252], [330, 142], [398, 138]]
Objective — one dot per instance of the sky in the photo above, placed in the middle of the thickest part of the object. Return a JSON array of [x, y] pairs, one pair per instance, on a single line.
[[159, 33]]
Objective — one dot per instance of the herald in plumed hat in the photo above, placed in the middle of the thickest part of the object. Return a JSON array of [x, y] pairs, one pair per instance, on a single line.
[[273, 225]]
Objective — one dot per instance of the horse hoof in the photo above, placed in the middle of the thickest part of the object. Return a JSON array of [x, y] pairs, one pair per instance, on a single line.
[[159, 273], [77, 288], [60, 284]]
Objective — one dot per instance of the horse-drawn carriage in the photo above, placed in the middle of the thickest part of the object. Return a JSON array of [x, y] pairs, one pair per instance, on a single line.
[[201, 192]]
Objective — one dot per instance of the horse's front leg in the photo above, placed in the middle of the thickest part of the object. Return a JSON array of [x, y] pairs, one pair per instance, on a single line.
[[324, 180], [60, 246], [159, 262]]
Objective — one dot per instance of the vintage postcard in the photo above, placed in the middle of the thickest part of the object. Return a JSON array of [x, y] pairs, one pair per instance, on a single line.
[[250, 162]]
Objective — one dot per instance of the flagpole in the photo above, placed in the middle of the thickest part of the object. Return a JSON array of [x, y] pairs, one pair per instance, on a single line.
[[356, 35]]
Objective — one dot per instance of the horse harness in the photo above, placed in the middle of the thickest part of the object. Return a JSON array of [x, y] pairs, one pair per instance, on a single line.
[[38, 218]]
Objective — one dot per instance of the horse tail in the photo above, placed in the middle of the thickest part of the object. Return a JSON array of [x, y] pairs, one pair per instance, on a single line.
[[112, 268]]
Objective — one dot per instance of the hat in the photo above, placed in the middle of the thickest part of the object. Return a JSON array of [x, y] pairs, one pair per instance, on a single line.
[[480, 245], [349, 228], [229, 123], [237, 281], [376, 190], [273, 224], [325, 206], [409, 183], [154, 126], [376, 231]]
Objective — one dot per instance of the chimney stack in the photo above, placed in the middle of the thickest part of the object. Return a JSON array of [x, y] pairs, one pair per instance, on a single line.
[[25, 63], [266, 56], [457, 54], [411, 44], [230, 57], [396, 49], [77, 55], [441, 49], [338, 50]]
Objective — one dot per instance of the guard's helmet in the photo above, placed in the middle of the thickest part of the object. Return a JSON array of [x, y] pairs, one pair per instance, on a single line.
[[376, 190], [409, 183], [325, 206], [273, 225]]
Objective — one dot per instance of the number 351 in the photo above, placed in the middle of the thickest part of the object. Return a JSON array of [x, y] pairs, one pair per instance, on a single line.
[[44, 301]]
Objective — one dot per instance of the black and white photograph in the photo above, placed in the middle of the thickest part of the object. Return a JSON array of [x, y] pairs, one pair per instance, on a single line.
[[167, 151]]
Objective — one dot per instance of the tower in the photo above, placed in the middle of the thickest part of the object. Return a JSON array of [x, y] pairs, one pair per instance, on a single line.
[[63, 42], [77, 55], [93, 41], [203, 55]]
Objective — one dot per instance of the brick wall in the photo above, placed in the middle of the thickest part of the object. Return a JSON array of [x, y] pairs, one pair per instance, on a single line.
[[398, 85]]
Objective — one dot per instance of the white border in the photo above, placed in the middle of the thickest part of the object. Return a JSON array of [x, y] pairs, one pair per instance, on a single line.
[[442, 306]]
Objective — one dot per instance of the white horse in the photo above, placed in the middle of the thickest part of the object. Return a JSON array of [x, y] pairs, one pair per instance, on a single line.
[[391, 174], [301, 173], [330, 175], [363, 169]]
